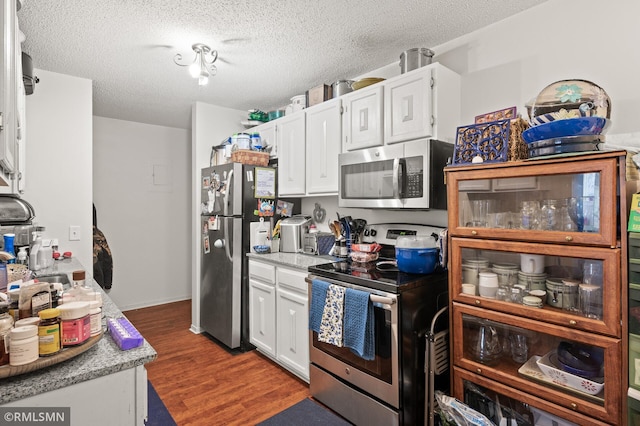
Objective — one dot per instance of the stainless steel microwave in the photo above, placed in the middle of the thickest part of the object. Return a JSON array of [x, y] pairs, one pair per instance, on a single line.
[[406, 175]]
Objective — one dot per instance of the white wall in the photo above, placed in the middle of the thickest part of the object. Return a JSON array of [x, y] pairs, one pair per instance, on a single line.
[[510, 62], [141, 189], [211, 124], [59, 157]]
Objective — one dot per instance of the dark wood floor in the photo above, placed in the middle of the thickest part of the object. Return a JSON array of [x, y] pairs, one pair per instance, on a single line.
[[203, 384]]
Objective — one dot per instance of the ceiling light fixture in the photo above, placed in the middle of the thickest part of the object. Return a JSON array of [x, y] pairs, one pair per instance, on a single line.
[[202, 66]]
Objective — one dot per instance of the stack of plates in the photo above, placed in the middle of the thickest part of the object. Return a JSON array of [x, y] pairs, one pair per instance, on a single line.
[[565, 136]]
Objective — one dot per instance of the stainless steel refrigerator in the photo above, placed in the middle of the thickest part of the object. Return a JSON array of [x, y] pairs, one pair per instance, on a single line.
[[229, 201]]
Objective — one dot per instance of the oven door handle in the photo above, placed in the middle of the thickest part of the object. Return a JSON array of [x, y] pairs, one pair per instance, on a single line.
[[373, 297], [380, 299]]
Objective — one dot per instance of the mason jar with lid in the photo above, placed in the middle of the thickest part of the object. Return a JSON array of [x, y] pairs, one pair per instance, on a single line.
[[555, 287], [570, 295]]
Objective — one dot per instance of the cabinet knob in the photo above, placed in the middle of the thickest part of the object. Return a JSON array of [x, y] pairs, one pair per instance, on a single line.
[[474, 232], [478, 302], [346, 370], [479, 370], [568, 238], [574, 405], [573, 322]]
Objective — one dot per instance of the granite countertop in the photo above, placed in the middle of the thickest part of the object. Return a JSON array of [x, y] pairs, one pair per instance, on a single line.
[[102, 359], [293, 260]]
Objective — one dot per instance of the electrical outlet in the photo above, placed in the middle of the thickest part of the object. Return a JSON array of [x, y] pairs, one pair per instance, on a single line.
[[74, 233]]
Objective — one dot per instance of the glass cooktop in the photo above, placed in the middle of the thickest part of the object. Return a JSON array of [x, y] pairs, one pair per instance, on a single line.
[[369, 275]]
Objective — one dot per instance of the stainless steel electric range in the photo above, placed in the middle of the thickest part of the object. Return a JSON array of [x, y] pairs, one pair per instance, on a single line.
[[390, 389]]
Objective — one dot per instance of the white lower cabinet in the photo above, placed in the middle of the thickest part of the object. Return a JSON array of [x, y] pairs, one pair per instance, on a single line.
[[292, 321], [262, 326], [279, 316]]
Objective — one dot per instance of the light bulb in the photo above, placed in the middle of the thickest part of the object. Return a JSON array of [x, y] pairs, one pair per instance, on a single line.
[[195, 67]]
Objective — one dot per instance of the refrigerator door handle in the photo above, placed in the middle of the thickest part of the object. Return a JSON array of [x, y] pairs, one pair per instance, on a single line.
[[228, 190], [225, 240]]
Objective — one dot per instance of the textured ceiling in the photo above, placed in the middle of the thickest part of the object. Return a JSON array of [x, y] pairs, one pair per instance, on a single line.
[[268, 50]]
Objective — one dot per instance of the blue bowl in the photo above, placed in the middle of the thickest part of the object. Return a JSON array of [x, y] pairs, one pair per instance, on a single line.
[[417, 260], [580, 359], [581, 126], [262, 249]]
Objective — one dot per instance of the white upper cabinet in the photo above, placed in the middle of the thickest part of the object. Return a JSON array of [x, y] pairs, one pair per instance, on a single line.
[[290, 134], [324, 129], [423, 103], [362, 118], [407, 108]]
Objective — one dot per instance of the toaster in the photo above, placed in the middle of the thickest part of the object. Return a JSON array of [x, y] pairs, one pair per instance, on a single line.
[[318, 243], [292, 230]]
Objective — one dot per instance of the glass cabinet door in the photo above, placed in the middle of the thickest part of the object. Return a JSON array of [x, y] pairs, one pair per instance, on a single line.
[[577, 287], [569, 202], [569, 367], [503, 404]]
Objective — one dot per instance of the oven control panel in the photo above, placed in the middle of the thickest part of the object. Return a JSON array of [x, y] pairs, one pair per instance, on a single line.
[[388, 233]]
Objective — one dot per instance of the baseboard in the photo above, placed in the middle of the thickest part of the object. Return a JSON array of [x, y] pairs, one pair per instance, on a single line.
[[152, 303]]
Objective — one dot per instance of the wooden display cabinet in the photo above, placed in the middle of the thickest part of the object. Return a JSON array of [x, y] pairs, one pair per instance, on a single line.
[[568, 212]]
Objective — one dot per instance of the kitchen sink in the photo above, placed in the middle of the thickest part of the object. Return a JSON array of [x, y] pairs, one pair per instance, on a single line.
[[56, 278]]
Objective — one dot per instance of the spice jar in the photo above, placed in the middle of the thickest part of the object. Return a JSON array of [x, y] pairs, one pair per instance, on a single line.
[[6, 324], [23, 348], [76, 323], [49, 342]]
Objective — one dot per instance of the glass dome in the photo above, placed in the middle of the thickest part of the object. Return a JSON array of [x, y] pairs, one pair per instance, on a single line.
[[567, 99]]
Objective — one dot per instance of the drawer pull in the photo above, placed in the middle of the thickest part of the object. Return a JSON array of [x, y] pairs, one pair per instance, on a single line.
[[474, 232], [568, 238], [479, 370], [574, 405], [573, 322], [478, 302]]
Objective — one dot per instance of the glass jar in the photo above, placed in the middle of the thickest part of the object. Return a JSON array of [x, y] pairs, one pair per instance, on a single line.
[[555, 288], [566, 223], [529, 215], [570, 295], [590, 300], [503, 294], [516, 295], [549, 215]]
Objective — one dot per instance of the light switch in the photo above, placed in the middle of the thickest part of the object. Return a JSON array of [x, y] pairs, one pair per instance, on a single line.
[[74, 233]]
